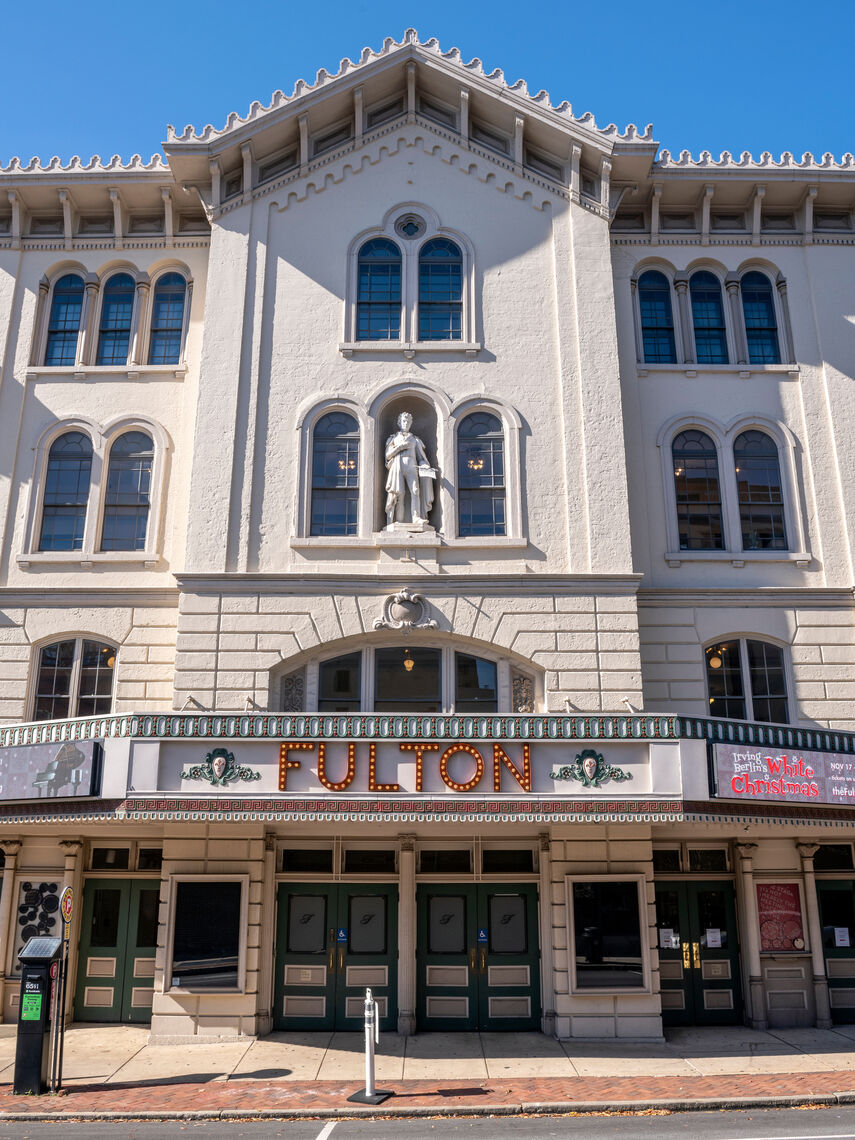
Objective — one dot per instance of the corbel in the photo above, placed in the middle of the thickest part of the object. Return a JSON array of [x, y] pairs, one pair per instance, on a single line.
[[575, 172], [303, 123], [67, 220], [654, 213], [118, 233], [519, 128], [756, 213], [464, 114], [812, 192], [411, 92], [358, 114], [216, 182], [246, 155], [605, 181], [15, 203], [705, 214], [168, 220]]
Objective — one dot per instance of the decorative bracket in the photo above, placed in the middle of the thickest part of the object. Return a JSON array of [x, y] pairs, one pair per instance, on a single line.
[[220, 769], [590, 769], [405, 611]]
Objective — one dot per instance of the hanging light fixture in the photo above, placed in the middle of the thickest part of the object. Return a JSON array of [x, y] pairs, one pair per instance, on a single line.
[[715, 661], [409, 663]]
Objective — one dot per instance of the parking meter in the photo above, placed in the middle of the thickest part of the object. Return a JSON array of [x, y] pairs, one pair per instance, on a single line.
[[33, 1045]]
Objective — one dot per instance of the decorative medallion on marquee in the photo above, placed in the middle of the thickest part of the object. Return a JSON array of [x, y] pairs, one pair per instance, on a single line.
[[590, 769], [220, 769], [405, 611]]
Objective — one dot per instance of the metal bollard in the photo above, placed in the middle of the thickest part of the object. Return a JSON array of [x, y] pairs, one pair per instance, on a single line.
[[370, 1095]]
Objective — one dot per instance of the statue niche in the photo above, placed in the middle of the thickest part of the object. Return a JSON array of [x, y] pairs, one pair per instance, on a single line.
[[410, 478]]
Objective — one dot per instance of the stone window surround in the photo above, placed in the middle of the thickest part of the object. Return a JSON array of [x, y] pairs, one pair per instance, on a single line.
[[723, 436], [90, 316], [734, 315], [449, 417], [77, 636], [409, 344], [178, 877], [789, 675], [102, 437], [644, 924]]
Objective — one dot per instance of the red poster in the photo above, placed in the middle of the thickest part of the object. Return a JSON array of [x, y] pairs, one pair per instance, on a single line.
[[780, 914]]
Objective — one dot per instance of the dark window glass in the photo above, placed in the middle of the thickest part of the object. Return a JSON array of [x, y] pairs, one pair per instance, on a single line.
[[53, 683], [768, 682], [761, 497], [608, 936], [657, 320], [206, 942], [435, 861], [367, 924], [837, 909], [114, 336], [481, 475], [708, 318], [477, 687], [167, 319], [507, 924], [67, 479], [724, 681], [335, 475], [761, 327], [440, 291], [506, 861], [363, 862], [307, 924], [307, 861], [339, 684], [64, 322], [668, 913], [712, 913], [95, 692], [149, 859], [666, 860], [147, 918], [128, 495], [697, 490], [106, 906], [378, 299], [399, 686], [110, 858], [447, 924], [833, 857], [707, 860], [56, 693]]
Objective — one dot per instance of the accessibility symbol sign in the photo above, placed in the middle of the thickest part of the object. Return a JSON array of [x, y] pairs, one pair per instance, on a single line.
[[341, 935], [482, 934]]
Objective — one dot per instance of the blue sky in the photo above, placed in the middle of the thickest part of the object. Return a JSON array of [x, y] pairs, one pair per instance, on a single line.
[[106, 78]]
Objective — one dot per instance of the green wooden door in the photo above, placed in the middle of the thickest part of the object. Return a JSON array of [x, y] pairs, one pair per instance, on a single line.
[[118, 940], [837, 916], [333, 942], [698, 953], [478, 957]]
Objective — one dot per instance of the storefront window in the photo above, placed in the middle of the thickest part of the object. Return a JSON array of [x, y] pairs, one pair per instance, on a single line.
[[607, 934], [206, 941]]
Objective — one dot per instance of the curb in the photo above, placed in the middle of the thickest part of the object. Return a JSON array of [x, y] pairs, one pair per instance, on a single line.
[[524, 1108]]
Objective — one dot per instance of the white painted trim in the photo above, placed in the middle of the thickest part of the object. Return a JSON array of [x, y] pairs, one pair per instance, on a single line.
[[644, 935]]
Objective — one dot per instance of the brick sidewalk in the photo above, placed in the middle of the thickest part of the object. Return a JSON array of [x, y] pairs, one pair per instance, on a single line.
[[242, 1097]]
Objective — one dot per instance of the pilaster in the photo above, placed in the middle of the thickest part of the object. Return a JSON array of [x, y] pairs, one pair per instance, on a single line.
[[820, 978], [407, 936], [751, 938]]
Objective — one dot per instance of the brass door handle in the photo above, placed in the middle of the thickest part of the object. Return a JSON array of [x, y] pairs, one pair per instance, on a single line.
[[332, 957], [687, 961], [483, 961], [472, 958], [696, 955], [341, 958]]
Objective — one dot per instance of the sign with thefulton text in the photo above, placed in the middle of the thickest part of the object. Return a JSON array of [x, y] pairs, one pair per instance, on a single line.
[[755, 772]]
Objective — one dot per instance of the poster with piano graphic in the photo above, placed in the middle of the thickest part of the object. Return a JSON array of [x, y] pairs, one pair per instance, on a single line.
[[51, 771]]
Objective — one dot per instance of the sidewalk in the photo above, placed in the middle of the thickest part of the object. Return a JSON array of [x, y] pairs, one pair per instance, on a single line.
[[110, 1071]]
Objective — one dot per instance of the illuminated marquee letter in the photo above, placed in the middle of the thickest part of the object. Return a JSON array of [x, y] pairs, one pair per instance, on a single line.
[[419, 750], [500, 757], [331, 785], [373, 786], [479, 767], [284, 763]]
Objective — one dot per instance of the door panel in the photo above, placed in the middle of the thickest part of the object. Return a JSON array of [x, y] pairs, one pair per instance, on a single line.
[[837, 916], [333, 941]]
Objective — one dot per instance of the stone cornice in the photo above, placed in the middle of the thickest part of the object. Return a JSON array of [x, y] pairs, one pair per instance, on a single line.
[[314, 584], [46, 596], [807, 597]]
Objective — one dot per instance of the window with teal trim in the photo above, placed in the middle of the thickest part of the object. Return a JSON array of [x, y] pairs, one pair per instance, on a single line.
[[378, 300], [761, 326], [114, 336], [67, 479], [657, 318], [64, 321], [335, 475], [708, 318], [440, 290]]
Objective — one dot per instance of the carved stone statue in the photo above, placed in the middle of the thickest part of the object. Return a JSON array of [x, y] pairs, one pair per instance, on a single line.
[[411, 476]]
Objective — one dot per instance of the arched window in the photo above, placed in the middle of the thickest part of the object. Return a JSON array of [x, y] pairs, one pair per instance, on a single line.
[[64, 322], [67, 480], [335, 475], [697, 490], [708, 318], [440, 290], [117, 307], [761, 328], [761, 497], [481, 476], [657, 318], [378, 301], [75, 678], [128, 494], [167, 319], [746, 680]]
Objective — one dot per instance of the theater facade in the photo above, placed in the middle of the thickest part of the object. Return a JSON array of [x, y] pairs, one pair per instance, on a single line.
[[426, 564]]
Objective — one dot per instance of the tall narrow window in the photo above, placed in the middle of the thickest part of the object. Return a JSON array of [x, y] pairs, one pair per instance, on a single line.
[[127, 499], [761, 328], [477, 688], [761, 498], [64, 323], [335, 475], [167, 319], [339, 684], [708, 318], [75, 678], [481, 476], [746, 680], [440, 290], [697, 490], [657, 318], [378, 302], [69, 470], [117, 308]]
